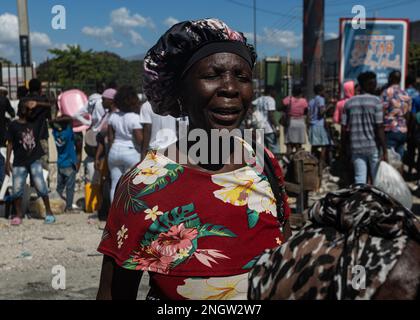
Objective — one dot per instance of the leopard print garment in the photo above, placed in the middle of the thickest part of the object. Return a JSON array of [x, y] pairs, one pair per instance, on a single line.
[[347, 230]]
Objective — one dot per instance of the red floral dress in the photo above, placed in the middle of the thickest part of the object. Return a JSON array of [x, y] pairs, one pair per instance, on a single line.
[[196, 233]]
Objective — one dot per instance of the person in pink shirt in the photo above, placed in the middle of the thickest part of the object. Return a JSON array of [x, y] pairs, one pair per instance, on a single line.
[[348, 93], [297, 108]]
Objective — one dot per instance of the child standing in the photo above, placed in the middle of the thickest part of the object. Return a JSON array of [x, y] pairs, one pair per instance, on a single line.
[[23, 137], [66, 158]]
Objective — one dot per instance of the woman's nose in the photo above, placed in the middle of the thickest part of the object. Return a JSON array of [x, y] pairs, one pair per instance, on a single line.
[[229, 86]]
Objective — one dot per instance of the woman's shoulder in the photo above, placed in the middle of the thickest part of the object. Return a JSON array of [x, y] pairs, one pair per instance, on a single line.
[[131, 116]]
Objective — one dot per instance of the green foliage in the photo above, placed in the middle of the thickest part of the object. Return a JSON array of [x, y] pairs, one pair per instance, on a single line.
[[253, 217], [214, 230], [414, 51], [5, 61], [75, 68], [171, 218], [173, 171], [251, 263]]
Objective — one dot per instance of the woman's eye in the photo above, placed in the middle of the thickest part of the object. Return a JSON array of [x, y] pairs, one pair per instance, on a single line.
[[244, 77], [210, 76]]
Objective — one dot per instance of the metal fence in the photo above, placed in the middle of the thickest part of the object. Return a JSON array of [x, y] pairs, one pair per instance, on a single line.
[[13, 75]]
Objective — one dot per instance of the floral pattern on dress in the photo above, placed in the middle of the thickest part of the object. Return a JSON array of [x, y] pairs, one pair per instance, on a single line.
[[245, 187], [152, 213], [216, 288], [122, 236], [173, 239], [152, 174]]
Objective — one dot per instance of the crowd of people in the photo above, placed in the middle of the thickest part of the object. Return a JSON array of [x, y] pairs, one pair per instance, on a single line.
[[196, 227], [114, 142], [372, 121]]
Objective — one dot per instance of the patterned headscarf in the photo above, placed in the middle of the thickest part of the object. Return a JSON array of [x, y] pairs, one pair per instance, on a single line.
[[168, 59]]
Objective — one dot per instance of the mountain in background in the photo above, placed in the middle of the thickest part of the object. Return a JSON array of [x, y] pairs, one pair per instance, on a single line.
[[136, 57]]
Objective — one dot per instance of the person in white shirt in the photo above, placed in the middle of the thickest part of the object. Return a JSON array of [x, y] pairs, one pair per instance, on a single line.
[[159, 132], [125, 135], [265, 106]]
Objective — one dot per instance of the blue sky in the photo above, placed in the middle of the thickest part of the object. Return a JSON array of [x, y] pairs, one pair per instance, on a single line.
[[130, 27]]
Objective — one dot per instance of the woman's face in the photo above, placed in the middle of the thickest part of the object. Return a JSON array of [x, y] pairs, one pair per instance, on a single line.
[[217, 92]]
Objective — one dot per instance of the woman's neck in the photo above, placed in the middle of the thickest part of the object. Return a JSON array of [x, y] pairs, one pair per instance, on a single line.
[[204, 157]]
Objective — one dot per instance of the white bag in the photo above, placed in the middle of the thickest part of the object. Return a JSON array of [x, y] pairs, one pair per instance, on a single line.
[[390, 181], [394, 159]]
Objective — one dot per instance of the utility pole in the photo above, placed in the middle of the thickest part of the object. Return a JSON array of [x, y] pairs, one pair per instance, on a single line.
[[313, 44], [255, 25], [289, 78], [256, 71], [24, 41]]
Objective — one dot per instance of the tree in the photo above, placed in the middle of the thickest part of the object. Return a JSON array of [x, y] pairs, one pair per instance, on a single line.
[[5, 61], [75, 68], [414, 59]]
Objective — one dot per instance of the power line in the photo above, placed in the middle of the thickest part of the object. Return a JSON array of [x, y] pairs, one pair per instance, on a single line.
[[375, 6], [276, 13]]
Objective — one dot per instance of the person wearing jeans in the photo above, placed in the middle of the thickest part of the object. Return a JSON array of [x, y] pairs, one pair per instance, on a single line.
[[125, 134], [66, 159], [362, 162], [66, 179], [120, 159], [23, 138], [362, 127]]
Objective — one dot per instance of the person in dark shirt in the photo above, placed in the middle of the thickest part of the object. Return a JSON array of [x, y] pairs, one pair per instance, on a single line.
[[66, 158], [5, 106], [35, 93], [23, 138]]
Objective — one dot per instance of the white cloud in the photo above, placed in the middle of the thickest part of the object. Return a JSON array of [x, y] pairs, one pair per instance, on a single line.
[[9, 28], [61, 46], [123, 19], [136, 38], [39, 39], [170, 21], [250, 36], [331, 35], [105, 34], [281, 39], [9, 38], [98, 32]]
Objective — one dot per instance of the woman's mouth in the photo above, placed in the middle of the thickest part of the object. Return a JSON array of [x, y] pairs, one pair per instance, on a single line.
[[225, 116]]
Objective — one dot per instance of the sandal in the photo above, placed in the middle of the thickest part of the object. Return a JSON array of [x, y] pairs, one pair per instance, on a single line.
[[49, 219], [16, 221]]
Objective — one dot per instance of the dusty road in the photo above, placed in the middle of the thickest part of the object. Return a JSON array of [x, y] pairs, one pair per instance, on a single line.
[[29, 252]]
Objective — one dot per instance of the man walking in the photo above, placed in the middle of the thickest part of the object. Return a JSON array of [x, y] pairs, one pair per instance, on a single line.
[[362, 122]]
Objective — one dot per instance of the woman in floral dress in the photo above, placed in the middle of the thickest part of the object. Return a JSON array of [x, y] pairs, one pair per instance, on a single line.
[[199, 226]]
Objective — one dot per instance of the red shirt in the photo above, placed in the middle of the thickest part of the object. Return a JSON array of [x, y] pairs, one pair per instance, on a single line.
[[183, 225]]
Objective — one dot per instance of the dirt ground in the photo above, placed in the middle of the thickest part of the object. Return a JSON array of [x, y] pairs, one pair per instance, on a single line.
[[29, 252]]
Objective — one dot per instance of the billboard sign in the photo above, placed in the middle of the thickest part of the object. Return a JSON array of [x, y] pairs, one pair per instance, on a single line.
[[381, 48]]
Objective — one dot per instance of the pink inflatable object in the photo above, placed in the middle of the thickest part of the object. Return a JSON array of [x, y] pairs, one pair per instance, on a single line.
[[70, 103]]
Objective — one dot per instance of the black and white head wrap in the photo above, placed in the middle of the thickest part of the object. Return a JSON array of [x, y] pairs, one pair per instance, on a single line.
[[178, 49]]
